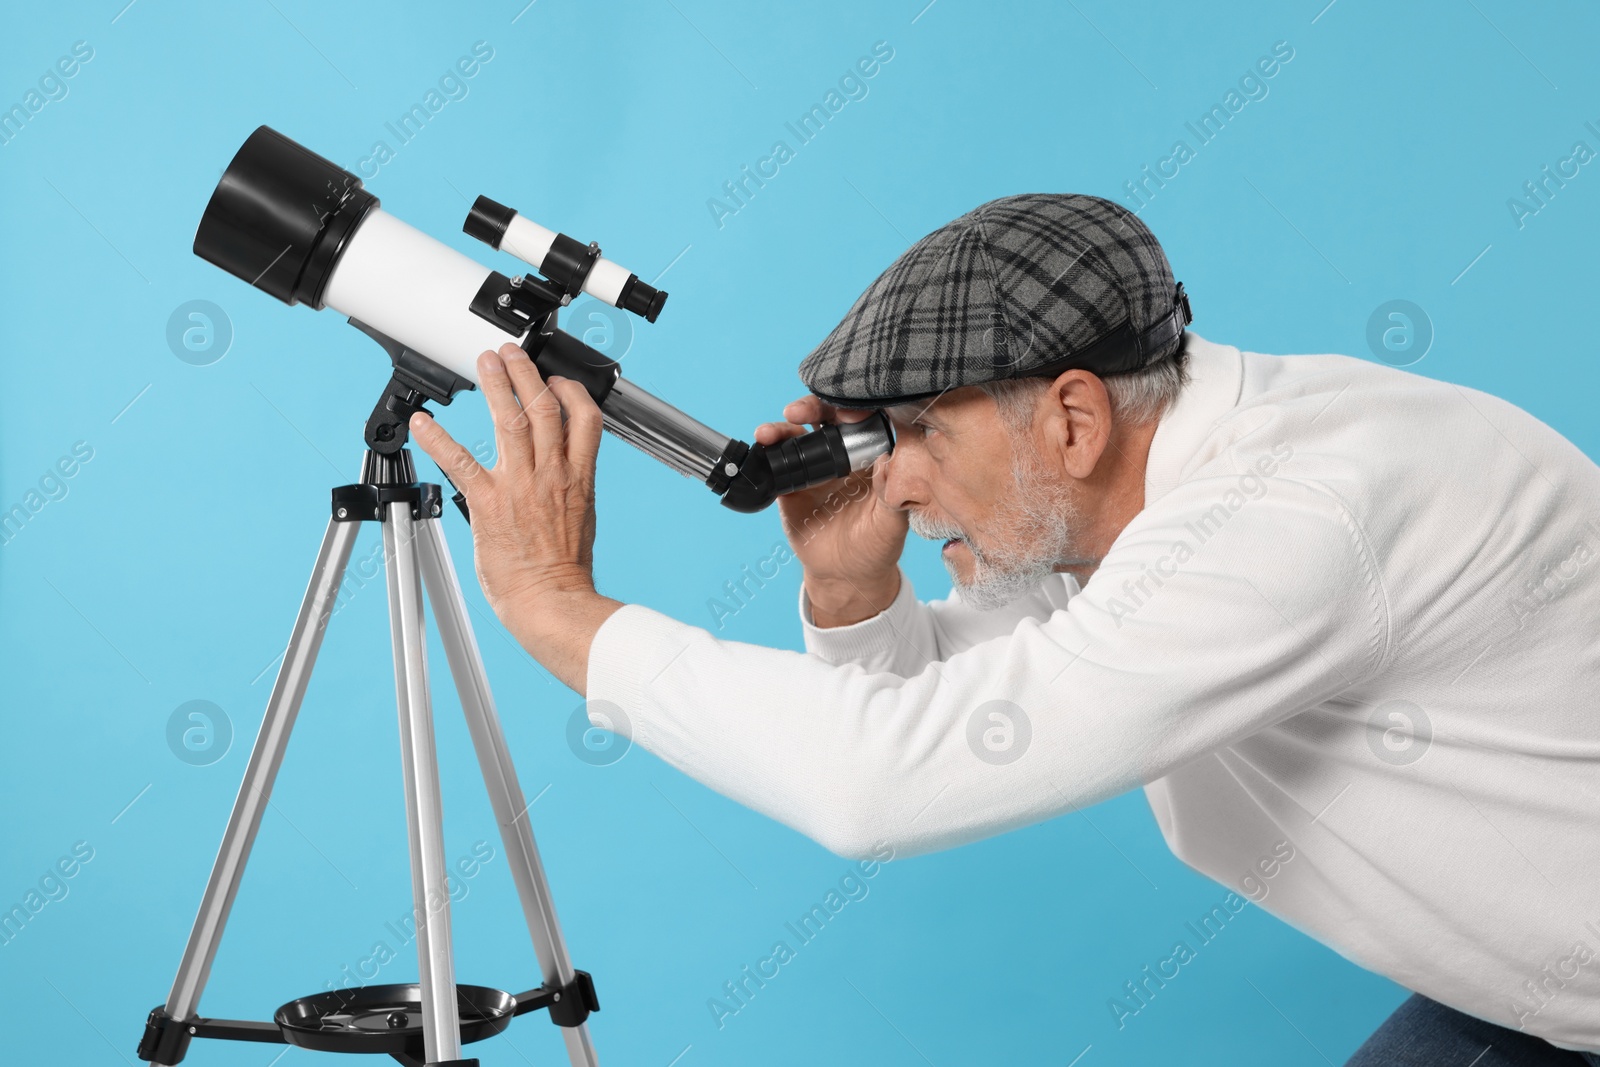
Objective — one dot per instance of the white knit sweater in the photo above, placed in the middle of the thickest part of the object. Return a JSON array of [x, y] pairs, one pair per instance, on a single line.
[[1357, 625]]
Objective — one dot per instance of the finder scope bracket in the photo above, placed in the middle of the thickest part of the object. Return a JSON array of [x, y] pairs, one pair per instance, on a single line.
[[518, 304]]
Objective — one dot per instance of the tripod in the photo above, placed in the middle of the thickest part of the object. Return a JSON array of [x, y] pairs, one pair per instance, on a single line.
[[426, 1023]]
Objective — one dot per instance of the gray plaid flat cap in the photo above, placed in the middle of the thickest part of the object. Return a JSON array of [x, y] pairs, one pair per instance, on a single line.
[[1025, 285]]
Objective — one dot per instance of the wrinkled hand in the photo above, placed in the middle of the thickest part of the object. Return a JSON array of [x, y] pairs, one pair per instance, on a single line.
[[847, 540], [533, 518]]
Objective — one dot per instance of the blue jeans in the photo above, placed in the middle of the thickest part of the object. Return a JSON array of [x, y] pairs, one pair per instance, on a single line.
[[1425, 1033]]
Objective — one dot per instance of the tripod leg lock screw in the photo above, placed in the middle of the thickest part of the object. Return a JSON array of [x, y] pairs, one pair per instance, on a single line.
[[165, 1039], [573, 1010]]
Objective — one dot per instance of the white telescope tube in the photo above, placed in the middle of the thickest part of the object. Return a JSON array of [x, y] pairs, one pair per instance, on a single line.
[[415, 289]]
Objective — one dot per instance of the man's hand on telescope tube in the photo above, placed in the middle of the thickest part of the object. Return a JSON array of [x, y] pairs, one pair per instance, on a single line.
[[533, 516]]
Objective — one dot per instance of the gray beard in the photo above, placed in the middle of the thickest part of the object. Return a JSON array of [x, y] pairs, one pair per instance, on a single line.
[[1032, 535]]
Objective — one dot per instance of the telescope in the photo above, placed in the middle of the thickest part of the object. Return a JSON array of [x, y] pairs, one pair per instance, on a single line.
[[302, 229], [305, 231]]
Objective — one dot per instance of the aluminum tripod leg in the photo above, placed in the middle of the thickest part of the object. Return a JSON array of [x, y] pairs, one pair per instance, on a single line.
[[505, 792], [441, 1033], [265, 758]]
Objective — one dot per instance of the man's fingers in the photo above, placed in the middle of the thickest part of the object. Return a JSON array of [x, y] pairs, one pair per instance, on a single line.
[[815, 410], [447, 452], [806, 409], [769, 433], [584, 423], [538, 402], [511, 435]]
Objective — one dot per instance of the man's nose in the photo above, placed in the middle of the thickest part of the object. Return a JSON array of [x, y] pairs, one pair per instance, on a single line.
[[895, 484]]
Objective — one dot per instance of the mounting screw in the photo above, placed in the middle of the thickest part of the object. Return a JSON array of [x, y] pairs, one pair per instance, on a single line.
[[196, 1030], [516, 283], [558, 996], [504, 300], [436, 509], [730, 469], [343, 513]]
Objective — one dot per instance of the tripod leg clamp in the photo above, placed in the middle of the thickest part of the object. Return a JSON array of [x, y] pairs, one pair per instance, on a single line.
[[572, 1003], [165, 1040]]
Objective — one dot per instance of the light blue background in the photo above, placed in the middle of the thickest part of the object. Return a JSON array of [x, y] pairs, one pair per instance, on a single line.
[[1378, 167]]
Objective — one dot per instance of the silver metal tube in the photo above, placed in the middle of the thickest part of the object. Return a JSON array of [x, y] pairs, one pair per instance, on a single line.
[[866, 440], [661, 430], [441, 1024], [499, 775], [265, 758], [580, 1045]]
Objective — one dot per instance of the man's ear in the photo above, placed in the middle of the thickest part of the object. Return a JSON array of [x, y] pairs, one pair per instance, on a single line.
[[1078, 424]]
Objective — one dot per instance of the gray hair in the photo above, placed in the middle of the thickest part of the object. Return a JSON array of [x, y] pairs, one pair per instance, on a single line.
[[1137, 397]]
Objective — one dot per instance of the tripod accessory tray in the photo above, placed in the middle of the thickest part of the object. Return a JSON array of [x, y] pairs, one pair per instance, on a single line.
[[386, 1018], [372, 1019]]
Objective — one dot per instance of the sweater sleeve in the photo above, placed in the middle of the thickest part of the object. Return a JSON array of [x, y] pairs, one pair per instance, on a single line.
[[1213, 615], [909, 634]]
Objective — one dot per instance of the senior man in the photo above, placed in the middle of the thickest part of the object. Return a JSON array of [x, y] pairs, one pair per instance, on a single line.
[[1340, 621]]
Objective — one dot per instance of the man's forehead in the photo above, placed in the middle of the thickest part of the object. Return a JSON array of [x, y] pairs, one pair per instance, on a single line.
[[913, 409], [941, 405]]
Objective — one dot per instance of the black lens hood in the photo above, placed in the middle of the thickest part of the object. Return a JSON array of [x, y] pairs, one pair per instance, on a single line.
[[280, 217]]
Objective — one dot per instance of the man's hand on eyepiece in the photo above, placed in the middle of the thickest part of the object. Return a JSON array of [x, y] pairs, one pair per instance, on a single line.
[[847, 540]]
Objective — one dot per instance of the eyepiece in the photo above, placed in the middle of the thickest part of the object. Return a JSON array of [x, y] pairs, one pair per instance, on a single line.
[[641, 299], [867, 439], [487, 221], [769, 471], [280, 217]]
